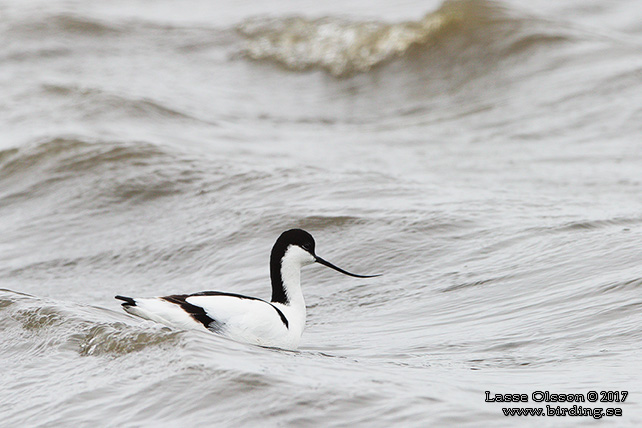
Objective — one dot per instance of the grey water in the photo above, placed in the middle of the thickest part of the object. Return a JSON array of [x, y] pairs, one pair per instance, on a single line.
[[485, 156]]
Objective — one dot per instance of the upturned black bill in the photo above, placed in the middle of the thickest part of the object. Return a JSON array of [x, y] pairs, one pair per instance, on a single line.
[[330, 265]]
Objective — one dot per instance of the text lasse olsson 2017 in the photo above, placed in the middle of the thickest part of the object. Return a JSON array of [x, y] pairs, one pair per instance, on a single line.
[[548, 397]]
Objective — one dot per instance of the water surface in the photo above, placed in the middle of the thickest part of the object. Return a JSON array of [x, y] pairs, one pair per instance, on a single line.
[[485, 156]]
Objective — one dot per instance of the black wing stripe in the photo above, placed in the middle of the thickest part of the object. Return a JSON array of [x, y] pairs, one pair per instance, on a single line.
[[196, 312]]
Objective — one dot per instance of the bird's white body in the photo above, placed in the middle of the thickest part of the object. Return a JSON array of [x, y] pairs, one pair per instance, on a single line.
[[238, 317]]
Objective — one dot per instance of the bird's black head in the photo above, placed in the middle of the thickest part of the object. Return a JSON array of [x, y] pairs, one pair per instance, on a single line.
[[298, 237], [305, 241]]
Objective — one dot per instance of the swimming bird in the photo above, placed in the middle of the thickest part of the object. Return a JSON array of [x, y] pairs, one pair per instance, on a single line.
[[278, 323]]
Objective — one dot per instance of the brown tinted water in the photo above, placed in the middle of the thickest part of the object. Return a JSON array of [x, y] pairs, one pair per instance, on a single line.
[[486, 157]]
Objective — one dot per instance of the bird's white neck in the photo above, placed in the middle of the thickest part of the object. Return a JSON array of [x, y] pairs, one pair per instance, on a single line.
[[291, 277], [294, 310]]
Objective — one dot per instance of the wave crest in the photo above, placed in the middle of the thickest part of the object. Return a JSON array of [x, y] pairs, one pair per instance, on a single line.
[[340, 46], [344, 47], [33, 326]]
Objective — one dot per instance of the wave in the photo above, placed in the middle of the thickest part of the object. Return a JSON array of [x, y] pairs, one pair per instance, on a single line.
[[339, 45], [96, 172], [68, 23], [73, 154], [96, 102], [73, 24], [32, 326], [344, 47], [90, 33]]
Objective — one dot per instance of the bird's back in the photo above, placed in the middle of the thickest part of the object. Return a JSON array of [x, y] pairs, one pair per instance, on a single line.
[[238, 317]]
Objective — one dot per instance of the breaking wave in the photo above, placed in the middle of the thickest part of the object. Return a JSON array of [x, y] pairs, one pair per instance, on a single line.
[[32, 326], [344, 47]]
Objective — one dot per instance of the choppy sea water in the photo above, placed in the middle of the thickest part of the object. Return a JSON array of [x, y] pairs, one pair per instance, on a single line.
[[485, 156]]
